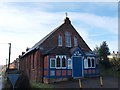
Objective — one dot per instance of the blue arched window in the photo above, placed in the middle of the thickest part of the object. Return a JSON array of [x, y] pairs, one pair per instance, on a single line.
[[67, 39], [59, 40], [75, 41]]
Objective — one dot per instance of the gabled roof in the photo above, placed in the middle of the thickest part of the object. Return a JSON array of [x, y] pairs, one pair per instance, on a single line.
[[36, 46], [42, 45]]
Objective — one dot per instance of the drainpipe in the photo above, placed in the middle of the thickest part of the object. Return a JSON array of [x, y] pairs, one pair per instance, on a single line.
[[42, 68]]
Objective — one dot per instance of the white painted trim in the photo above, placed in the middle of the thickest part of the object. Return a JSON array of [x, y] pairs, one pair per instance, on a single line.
[[60, 45], [71, 63], [61, 56], [76, 56], [91, 62], [85, 62], [50, 62]]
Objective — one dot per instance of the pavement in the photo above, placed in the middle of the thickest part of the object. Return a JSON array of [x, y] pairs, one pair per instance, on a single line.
[[108, 82], [1, 82]]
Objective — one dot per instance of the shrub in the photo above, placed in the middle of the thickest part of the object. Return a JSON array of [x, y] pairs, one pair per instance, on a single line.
[[23, 81], [115, 63], [105, 64]]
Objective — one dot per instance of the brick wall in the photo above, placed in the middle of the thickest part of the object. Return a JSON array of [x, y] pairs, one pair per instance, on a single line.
[[34, 72]]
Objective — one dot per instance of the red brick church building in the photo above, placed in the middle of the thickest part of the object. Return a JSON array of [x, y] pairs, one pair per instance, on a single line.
[[60, 55]]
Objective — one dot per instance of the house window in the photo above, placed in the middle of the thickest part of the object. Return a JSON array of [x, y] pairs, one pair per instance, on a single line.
[[68, 39], [52, 63], [58, 61], [63, 62], [85, 63], [69, 64], [89, 62], [59, 40], [75, 41], [93, 62]]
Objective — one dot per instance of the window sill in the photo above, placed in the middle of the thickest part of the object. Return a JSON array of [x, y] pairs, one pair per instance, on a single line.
[[63, 68], [59, 68], [59, 45], [90, 68], [52, 67]]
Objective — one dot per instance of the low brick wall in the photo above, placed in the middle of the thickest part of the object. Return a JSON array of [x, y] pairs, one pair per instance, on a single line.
[[53, 80]]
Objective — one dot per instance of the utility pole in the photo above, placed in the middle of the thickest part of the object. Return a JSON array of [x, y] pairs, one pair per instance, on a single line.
[[6, 63], [9, 56]]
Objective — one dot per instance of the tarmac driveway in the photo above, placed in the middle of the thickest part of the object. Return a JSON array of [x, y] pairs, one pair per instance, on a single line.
[[108, 82]]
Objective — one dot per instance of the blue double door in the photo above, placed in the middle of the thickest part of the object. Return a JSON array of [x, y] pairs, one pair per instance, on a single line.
[[77, 64]]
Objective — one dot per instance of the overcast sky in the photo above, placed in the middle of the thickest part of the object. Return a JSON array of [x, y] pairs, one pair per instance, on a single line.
[[25, 23]]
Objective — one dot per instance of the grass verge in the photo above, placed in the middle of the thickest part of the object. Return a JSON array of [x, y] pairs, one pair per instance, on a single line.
[[40, 85], [110, 72]]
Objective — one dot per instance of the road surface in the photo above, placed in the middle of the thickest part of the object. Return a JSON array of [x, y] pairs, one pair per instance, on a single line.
[[1, 82], [108, 82]]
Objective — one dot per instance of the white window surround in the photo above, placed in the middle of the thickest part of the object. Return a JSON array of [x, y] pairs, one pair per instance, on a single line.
[[86, 62], [59, 40], [69, 63], [60, 56], [51, 62], [77, 53]]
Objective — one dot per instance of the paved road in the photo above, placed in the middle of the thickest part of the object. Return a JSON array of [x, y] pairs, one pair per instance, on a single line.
[[108, 82], [1, 82]]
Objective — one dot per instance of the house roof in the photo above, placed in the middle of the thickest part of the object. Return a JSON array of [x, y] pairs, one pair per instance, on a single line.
[[36, 46], [58, 50]]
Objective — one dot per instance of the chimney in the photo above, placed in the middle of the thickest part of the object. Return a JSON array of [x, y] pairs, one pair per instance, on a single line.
[[27, 49], [113, 52], [67, 20], [23, 53], [19, 56]]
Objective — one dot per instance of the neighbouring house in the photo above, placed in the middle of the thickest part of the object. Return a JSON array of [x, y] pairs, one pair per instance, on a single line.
[[61, 55], [15, 64], [114, 55]]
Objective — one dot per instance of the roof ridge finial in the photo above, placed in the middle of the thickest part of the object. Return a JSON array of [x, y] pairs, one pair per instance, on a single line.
[[66, 20], [66, 14]]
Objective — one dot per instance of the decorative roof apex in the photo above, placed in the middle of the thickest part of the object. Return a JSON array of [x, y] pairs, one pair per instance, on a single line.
[[67, 20]]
